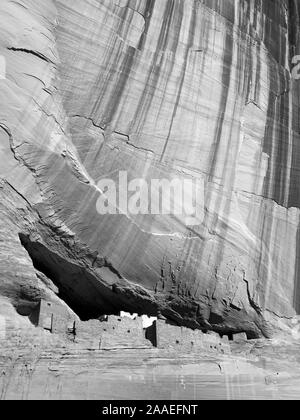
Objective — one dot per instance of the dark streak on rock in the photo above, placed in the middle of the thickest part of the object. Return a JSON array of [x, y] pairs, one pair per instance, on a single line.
[[34, 53]]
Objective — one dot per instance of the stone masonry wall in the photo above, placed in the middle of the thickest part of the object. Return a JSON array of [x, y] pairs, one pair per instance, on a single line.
[[115, 332], [186, 340]]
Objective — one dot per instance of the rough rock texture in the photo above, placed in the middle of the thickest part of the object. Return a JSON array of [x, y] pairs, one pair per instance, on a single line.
[[198, 88]]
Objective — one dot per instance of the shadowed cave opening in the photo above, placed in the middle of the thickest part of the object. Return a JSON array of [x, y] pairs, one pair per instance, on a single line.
[[80, 289], [89, 297]]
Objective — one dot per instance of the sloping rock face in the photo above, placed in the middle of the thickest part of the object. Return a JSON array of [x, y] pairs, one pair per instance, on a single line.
[[160, 89]]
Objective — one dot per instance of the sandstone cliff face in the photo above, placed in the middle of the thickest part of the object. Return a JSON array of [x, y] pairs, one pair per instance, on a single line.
[[160, 89]]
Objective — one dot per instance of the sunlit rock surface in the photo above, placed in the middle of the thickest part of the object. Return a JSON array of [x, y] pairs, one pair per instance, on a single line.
[[160, 89]]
